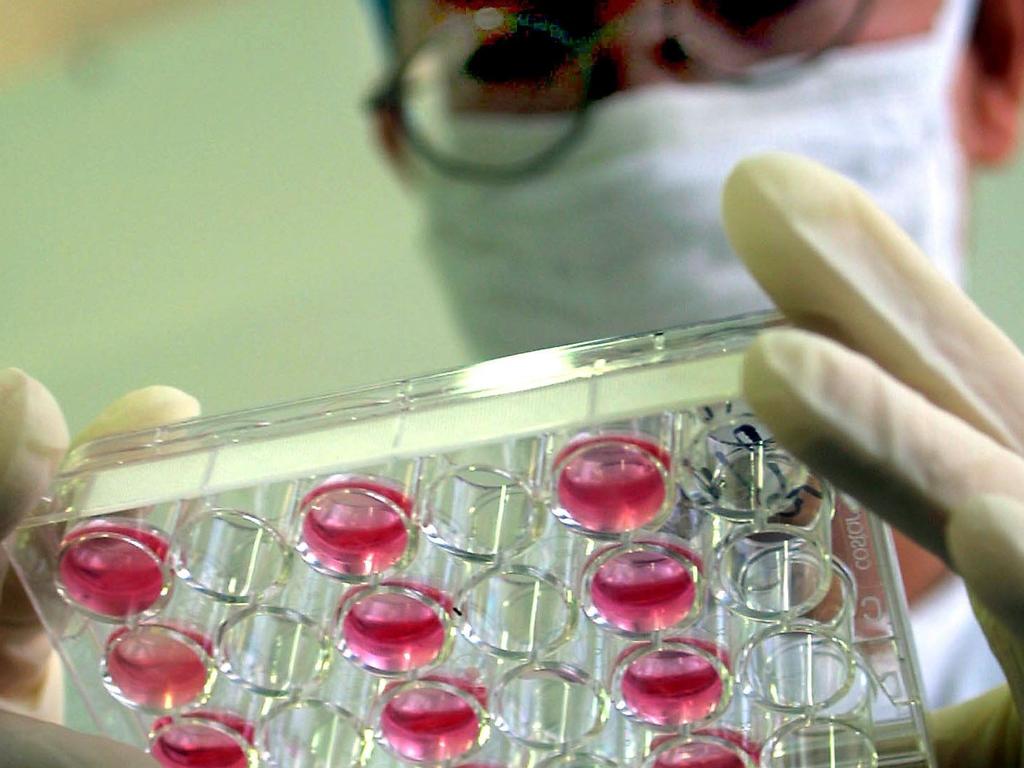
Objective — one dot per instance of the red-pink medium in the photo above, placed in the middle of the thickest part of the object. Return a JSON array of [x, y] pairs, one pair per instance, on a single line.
[[350, 530], [708, 754], [156, 668], [429, 725], [642, 591], [612, 483], [198, 745], [116, 576], [672, 686], [393, 631], [699, 755]]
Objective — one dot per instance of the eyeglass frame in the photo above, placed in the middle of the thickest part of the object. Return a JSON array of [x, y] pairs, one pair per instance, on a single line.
[[388, 97]]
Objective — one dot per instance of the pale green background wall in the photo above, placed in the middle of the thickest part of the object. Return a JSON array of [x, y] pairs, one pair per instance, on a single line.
[[997, 256], [202, 206]]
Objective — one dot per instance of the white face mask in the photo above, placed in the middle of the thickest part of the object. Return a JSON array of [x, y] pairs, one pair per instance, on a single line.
[[623, 234]]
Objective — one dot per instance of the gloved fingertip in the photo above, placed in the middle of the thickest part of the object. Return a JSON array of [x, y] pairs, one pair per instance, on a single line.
[[781, 347], [144, 408], [766, 385], [757, 171], [775, 369], [33, 440], [985, 540], [26, 402], [763, 189], [816, 243]]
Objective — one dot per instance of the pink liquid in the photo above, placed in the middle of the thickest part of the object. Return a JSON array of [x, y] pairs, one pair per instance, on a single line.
[[643, 591], [752, 748], [671, 687], [612, 483], [429, 725], [394, 632], [466, 684], [110, 576], [197, 745], [351, 532], [191, 633], [707, 755], [154, 668], [699, 755]]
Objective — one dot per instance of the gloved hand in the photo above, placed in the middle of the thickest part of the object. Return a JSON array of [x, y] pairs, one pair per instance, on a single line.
[[896, 387], [33, 439]]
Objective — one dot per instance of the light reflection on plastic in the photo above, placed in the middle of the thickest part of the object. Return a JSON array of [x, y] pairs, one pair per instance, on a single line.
[[512, 373]]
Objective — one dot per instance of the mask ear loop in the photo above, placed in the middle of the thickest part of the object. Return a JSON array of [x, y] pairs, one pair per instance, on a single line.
[[952, 30]]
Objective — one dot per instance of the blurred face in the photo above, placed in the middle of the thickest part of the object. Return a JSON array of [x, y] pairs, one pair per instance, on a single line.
[[590, 49], [651, 240], [529, 70]]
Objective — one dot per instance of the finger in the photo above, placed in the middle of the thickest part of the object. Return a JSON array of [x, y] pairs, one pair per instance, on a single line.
[[979, 733], [873, 436], [33, 439], [41, 423], [835, 264], [140, 409], [29, 743], [23, 650], [985, 539]]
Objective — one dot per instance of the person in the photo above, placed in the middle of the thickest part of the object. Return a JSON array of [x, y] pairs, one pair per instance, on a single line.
[[570, 158], [893, 384], [896, 388], [580, 132]]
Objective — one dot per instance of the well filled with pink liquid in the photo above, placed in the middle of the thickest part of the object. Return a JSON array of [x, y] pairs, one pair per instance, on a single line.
[[708, 754], [612, 483], [699, 755], [395, 631], [672, 686], [430, 724], [116, 575], [643, 590], [155, 667], [198, 745], [356, 526]]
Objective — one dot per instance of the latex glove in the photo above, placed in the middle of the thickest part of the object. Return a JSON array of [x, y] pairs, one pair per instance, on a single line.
[[897, 388], [33, 439]]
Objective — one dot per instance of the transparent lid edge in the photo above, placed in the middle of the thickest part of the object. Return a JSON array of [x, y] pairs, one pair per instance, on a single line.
[[525, 371]]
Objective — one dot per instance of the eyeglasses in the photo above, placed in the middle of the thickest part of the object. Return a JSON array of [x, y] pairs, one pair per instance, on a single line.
[[484, 61]]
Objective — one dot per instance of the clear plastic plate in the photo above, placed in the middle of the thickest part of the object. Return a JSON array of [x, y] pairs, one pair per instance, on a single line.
[[586, 556]]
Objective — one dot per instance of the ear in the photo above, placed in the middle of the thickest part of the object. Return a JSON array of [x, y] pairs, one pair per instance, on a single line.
[[991, 86], [388, 129]]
